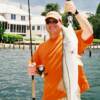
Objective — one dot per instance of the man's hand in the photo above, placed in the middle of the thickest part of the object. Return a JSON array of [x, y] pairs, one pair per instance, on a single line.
[[69, 7], [32, 69]]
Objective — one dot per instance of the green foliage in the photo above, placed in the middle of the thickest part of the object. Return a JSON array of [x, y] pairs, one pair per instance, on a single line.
[[11, 38], [95, 21], [50, 7], [96, 41], [98, 9], [64, 19]]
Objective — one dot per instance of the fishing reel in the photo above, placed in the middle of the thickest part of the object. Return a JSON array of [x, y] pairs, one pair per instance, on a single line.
[[40, 69]]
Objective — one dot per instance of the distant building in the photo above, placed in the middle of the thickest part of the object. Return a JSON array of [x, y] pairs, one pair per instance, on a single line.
[[16, 21]]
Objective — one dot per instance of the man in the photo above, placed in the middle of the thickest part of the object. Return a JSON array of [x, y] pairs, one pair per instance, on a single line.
[[49, 54]]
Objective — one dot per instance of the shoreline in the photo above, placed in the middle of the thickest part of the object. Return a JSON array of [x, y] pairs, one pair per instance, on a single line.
[[18, 45], [35, 45], [96, 46]]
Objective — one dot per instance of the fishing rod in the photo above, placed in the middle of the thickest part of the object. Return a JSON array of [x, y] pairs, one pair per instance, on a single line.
[[31, 50]]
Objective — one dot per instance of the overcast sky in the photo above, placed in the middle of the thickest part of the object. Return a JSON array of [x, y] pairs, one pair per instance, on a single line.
[[38, 5]]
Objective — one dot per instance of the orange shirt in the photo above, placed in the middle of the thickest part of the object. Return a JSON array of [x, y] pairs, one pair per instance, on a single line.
[[49, 54]]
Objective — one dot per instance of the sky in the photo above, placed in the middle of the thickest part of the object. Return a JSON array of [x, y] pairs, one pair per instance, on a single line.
[[37, 6]]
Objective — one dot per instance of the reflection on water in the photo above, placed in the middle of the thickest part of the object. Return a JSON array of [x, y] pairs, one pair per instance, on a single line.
[[15, 84]]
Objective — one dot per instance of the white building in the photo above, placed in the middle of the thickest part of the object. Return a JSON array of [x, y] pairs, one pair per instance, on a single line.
[[16, 21]]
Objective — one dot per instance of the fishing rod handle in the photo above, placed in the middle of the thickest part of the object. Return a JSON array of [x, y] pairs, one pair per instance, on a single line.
[[41, 69]]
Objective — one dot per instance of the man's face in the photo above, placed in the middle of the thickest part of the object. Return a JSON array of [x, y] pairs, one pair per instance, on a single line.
[[53, 27]]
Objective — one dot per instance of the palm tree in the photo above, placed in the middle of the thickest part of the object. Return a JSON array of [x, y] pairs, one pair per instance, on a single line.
[[50, 7]]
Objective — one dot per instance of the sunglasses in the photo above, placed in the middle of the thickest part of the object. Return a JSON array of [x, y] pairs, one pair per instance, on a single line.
[[51, 21]]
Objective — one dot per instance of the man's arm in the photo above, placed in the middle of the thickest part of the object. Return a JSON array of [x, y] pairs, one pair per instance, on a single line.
[[82, 20], [85, 26]]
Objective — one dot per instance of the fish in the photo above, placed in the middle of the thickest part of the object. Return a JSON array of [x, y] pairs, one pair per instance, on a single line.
[[70, 63]]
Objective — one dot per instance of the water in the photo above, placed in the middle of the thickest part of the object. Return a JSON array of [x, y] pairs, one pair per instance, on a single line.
[[15, 84], [92, 68]]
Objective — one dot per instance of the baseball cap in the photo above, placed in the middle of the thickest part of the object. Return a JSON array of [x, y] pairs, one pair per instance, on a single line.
[[53, 14]]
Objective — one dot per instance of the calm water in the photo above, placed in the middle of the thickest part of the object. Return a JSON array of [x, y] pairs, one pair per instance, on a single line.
[[15, 84]]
